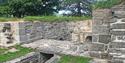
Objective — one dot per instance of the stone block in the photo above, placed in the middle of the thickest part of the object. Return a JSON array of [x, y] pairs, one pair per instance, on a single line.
[[95, 38], [118, 38], [117, 45], [114, 32], [95, 54], [97, 47], [119, 13], [118, 26], [104, 39], [117, 50]]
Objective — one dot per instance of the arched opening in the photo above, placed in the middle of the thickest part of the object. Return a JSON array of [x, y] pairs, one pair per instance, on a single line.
[[88, 39]]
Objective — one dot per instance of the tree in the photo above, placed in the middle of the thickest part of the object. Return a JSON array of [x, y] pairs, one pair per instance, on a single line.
[[78, 7], [21, 8]]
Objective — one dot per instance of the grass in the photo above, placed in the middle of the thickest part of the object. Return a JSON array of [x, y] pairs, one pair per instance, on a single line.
[[74, 59], [12, 55], [106, 4], [5, 19], [45, 18], [54, 18], [2, 50]]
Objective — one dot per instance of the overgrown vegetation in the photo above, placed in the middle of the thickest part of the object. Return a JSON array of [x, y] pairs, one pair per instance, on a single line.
[[12, 55], [74, 59], [106, 4]]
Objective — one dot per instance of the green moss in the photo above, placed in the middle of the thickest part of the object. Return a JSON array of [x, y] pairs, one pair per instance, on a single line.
[[106, 4], [12, 55], [74, 59]]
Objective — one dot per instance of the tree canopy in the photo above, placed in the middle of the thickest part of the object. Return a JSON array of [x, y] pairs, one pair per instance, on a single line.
[[21, 8]]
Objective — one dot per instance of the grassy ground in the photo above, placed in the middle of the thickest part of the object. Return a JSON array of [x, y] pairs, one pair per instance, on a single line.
[[106, 4], [12, 55], [45, 18], [74, 59]]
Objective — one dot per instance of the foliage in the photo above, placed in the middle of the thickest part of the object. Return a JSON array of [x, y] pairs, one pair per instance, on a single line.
[[106, 4], [12, 55], [21, 8], [74, 59], [55, 19]]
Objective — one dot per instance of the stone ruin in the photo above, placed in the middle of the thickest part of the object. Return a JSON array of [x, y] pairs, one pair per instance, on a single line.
[[107, 36]]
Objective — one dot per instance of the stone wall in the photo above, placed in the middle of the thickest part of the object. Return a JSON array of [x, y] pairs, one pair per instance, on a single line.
[[71, 31], [27, 31], [108, 34]]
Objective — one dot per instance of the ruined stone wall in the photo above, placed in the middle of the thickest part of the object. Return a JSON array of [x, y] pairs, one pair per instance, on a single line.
[[71, 31], [27, 31]]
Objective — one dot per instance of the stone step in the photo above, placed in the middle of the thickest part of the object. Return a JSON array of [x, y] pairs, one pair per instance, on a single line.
[[117, 45]]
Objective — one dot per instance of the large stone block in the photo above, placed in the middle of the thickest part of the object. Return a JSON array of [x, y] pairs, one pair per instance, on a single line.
[[104, 39]]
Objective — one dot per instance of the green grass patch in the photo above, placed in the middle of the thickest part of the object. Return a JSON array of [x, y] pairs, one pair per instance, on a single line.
[[55, 18], [106, 4], [74, 59], [12, 55], [46, 18], [5, 19]]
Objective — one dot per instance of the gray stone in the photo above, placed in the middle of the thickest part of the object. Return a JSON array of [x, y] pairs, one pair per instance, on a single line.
[[95, 38], [97, 47], [105, 39], [24, 38], [101, 29]]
